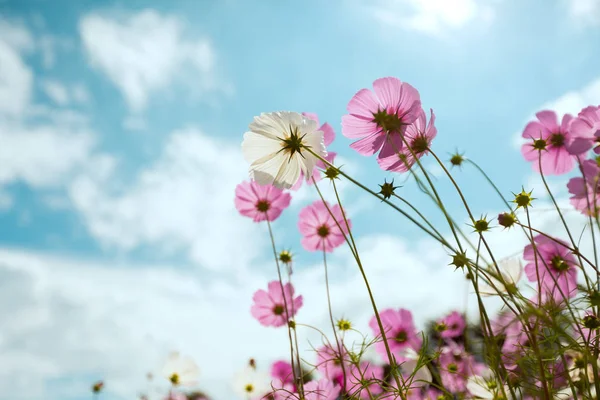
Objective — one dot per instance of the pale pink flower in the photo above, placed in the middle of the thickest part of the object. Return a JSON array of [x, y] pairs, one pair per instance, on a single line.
[[329, 361], [456, 365], [585, 130], [419, 136], [282, 371], [586, 189], [260, 202], [367, 376], [556, 267], [555, 158], [380, 120], [399, 330], [319, 229], [321, 390], [455, 325], [176, 396], [269, 308]]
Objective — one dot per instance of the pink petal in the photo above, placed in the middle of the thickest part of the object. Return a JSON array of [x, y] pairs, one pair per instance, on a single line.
[[549, 119], [328, 133], [369, 145], [363, 104]]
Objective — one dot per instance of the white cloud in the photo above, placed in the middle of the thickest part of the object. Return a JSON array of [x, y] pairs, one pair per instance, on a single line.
[[183, 202], [584, 12], [63, 94], [15, 81], [146, 52], [431, 16], [56, 91]]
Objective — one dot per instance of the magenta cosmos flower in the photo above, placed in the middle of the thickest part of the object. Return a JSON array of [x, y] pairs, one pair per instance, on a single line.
[[328, 137], [319, 228], [454, 324], [585, 130], [456, 366], [379, 120], [282, 371], [419, 136], [586, 188], [269, 308], [399, 329], [548, 140], [556, 267], [260, 202]]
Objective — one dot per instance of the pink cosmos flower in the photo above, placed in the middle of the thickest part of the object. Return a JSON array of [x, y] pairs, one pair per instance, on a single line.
[[585, 130], [548, 140], [455, 325], [329, 361], [268, 307], [282, 371], [176, 396], [328, 137], [433, 394], [419, 136], [260, 202], [456, 366], [555, 267], [399, 330], [367, 376], [321, 390], [381, 119], [319, 228], [586, 189]]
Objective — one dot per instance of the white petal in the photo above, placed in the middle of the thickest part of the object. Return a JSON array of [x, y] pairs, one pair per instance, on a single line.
[[256, 146], [289, 173], [265, 170]]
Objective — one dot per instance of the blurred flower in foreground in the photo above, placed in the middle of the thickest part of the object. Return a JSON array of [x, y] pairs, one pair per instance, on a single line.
[[511, 271], [320, 229], [181, 371], [251, 383], [277, 148]]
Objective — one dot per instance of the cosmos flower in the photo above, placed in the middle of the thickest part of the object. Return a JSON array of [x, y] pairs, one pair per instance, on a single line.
[[322, 389], [419, 136], [585, 189], [511, 271], [554, 264], [454, 324], [379, 120], [181, 371], [399, 330], [260, 202], [547, 139], [269, 308], [585, 130], [277, 148], [251, 383], [319, 229]]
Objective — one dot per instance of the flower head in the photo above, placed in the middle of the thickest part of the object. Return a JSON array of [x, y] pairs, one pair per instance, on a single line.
[[379, 120], [260, 202], [586, 188], [277, 147], [321, 390], [180, 371], [455, 325], [269, 306], [511, 271], [486, 386], [399, 330], [456, 365], [585, 130], [418, 136], [365, 380], [282, 371], [320, 230], [251, 383], [554, 264], [329, 361], [548, 140]]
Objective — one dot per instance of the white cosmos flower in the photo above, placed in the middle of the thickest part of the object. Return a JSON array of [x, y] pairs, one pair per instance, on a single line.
[[181, 371], [486, 386], [421, 376], [251, 383], [276, 148], [511, 271]]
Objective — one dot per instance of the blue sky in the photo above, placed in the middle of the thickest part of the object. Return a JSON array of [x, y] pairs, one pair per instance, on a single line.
[[121, 124]]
